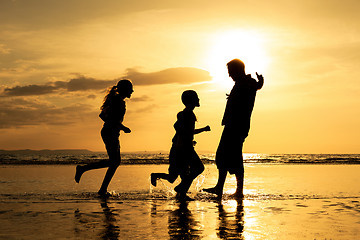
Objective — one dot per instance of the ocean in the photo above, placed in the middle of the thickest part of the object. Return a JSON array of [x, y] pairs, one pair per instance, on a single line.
[[286, 196], [83, 156]]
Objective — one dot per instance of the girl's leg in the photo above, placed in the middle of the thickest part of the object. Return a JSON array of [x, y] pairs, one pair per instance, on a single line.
[[112, 144], [82, 169], [113, 151], [108, 176]]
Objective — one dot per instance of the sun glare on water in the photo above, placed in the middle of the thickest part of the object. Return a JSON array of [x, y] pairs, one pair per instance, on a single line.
[[246, 46]]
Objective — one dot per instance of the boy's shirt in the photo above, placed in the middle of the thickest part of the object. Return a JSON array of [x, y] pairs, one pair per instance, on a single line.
[[184, 127]]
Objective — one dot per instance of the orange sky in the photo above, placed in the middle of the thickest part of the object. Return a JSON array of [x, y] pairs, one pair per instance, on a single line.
[[58, 57]]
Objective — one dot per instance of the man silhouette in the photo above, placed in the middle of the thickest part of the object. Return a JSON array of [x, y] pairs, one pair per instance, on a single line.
[[236, 122]]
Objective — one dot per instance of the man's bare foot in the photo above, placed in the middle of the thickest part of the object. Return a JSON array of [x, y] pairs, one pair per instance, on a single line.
[[153, 179], [237, 195], [79, 173]]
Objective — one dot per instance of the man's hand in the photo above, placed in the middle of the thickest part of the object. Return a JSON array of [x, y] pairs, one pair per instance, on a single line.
[[261, 80], [259, 77]]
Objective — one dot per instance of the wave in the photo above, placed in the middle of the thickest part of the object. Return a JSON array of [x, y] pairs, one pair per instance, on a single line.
[[154, 195], [162, 158]]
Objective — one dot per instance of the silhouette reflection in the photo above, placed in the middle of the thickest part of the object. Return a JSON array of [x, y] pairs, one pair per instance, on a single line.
[[111, 230], [182, 224], [231, 224], [88, 222]]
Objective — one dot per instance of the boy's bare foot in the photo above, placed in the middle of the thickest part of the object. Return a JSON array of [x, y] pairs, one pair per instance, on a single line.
[[182, 197], [153, 179], [213, 190], [79, 173]]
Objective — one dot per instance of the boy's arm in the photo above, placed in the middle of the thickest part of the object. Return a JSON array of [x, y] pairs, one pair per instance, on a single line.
[[125, 129], [200, 130]]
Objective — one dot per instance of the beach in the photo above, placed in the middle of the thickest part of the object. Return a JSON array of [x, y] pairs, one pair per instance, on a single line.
[[294, 201]]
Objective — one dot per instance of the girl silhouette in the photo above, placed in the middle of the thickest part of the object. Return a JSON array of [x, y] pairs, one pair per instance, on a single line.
[[112, 113]]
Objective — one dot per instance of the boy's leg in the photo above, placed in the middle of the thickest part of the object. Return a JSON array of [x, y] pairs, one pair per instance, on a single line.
[[195, 168], [183, 187], [169, 177]]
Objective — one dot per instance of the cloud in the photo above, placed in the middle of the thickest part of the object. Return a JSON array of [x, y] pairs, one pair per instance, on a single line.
[[143, 98], [81, 83], [29, 90], [4, 49], [181, 75], [21, 112]]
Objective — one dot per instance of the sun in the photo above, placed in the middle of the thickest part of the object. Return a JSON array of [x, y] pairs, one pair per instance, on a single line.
[[244, 45]]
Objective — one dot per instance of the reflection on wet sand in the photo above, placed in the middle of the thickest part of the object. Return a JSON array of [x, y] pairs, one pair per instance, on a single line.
[[87, 223], [169, 219], [231, 223], [111, 230], [182, 224], [185, 222]]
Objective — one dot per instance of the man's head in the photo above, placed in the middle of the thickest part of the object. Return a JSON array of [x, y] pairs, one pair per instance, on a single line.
[[236, 68]]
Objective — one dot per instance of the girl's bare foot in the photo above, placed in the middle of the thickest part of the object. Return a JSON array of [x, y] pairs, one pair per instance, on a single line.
[[103, 194]]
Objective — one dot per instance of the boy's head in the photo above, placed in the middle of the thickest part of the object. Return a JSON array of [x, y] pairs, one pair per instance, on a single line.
[[190, 98], [236, 68]]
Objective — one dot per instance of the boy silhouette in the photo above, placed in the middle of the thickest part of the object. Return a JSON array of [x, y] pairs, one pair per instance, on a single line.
[[183, 159]]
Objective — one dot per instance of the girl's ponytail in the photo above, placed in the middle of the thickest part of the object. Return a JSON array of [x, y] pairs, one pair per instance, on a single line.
[[107, 99]]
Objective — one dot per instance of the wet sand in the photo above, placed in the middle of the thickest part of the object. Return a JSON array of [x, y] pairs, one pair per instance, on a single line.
[[281, 202]]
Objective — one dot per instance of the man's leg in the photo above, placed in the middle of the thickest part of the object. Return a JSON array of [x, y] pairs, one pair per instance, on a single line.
[[240, 175], [240, 184], [218, 189]]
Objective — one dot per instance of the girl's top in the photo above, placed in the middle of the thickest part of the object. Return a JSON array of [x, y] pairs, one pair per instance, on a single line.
[[113, 113]]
